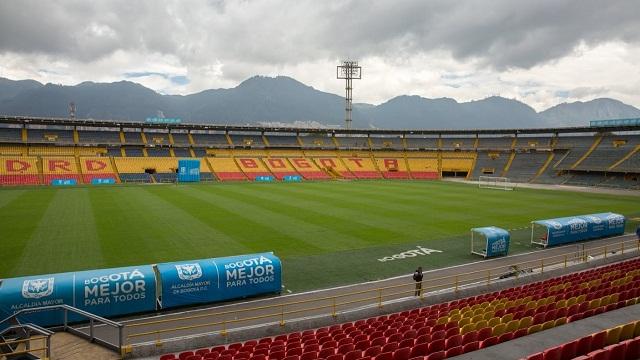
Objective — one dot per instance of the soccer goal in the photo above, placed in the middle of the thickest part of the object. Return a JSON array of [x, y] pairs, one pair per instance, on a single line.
[[495, 182]]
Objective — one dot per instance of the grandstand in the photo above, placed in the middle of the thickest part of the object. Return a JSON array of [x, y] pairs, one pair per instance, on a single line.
[[45, 151], [608, 157]]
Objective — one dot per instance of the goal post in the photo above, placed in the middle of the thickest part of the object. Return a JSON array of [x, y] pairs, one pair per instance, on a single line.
[[495, 182]]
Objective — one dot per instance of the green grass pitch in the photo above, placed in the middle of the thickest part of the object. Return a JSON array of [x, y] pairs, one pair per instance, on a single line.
[[327, 233]]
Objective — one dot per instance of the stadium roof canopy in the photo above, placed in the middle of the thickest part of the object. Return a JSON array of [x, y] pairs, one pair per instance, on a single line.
[[23, 120]]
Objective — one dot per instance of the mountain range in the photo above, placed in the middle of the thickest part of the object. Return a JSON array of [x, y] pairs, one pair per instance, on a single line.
[[284, 101]]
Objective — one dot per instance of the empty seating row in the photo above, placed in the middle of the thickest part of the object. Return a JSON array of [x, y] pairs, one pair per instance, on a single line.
[[449, 329], [618, 343]]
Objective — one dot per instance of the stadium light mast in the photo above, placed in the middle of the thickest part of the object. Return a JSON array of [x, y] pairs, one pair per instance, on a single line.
[[349, 70]]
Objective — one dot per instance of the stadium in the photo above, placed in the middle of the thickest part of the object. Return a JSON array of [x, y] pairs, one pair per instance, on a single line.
[[319, 180], [339, 215]]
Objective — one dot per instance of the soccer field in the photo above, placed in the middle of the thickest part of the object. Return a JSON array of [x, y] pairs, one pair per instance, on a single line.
[[327, 233]]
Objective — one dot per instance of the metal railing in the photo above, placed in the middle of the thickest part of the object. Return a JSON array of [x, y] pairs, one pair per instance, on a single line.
[[219, 322], [93, 320], [23, 339]]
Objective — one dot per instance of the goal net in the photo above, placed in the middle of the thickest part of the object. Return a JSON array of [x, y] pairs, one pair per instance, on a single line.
[[495, 182]]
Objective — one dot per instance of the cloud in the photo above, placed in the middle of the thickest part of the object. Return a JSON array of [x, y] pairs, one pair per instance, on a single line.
[[467, 49]]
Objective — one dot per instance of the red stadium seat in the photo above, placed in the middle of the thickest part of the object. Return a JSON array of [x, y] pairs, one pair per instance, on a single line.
[[552, 354], [384, 356], [488, 342], [440, 355], [402, 354], [185, 354], [472, 346], [454, 351]]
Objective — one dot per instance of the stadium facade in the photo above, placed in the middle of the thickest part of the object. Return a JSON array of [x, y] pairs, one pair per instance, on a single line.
[[44, 151]]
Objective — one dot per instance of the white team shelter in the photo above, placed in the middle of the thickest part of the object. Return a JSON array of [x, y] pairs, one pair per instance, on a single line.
[[490, 241]]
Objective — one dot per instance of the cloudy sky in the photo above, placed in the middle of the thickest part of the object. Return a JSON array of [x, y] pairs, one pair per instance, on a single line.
[[542, 52]]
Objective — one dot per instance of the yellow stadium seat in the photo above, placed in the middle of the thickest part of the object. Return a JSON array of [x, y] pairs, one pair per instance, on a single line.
[[525, 322], [560, 321], [464, 322], [467, 328], [548, 325], [506, 318], [627, 331], [499, 329], [512, 325], [480, 324], [494, 321], [534, 329]]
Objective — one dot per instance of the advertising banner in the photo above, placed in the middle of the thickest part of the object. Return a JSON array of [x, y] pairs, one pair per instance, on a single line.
[[497, 240], [103, 181], [64, 182], [34, 292], [113, 292], [292, 178], [106, 292], [210, 280], [188, 170], [576, 228]]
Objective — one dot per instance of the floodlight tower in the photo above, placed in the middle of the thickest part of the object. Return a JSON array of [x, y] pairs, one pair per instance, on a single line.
[[72, 110], [349, 70]]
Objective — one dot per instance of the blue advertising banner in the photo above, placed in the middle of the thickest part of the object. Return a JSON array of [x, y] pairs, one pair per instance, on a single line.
[[497, 240], [248, 275], [119, 291], [36, 291], [209, 280], [583, 227], [292, 178], [103, 181], [64, 182], [188, 282], [264, 178], [188, 170], [106, 292]]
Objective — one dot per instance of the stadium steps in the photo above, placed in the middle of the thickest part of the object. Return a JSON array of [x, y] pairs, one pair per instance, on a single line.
[[213, 174], [508, 165], [627, 156], [595, 144], [266, 142], [235, 160], [473, 165], [79, 168], [514, 143], [115, 169], [544, 166]]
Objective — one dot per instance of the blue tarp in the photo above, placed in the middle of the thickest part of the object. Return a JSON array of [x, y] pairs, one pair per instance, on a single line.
[[583, 227], [217, 279], [188, 170], [497, 240]]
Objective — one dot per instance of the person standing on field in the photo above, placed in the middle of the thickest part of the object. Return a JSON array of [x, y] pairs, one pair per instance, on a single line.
[[417, 277]]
